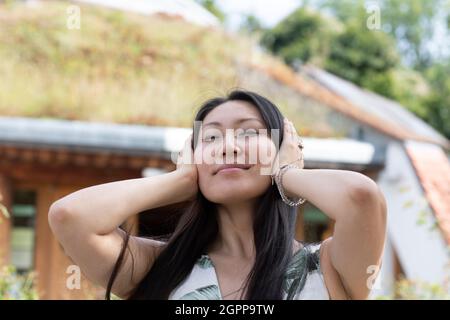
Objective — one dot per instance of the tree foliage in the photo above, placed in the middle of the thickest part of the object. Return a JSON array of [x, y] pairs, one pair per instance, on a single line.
[[395, 60], [211, 6], [438, 102], [303, 36], [411, 23]]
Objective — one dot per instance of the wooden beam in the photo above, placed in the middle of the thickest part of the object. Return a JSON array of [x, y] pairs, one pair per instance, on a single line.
[[65, 175], [44, 243], [51, 263], [81, 158]]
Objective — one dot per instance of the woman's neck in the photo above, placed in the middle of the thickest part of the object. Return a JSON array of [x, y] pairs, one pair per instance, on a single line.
[[235, 237]]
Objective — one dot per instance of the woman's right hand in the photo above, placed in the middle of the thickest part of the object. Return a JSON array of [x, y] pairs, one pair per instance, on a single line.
[[187, 168]]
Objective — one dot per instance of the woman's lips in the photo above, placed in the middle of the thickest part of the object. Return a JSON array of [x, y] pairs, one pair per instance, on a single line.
[[232, 168], [229, 170]]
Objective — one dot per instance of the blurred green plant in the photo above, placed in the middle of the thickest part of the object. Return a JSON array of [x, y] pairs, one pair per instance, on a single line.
[[14, 286], [406, 289]]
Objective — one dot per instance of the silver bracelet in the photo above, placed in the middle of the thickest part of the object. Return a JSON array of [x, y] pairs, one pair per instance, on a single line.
[[278, 177]]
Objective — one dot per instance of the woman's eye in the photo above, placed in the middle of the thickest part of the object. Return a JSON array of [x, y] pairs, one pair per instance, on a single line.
[[209, 138], [246, 133]]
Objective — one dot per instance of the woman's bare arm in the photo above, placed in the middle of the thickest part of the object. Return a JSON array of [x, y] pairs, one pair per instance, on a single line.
[[358, 208], [87, 222]]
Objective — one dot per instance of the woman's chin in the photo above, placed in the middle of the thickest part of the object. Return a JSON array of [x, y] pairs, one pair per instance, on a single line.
[[230, 194]]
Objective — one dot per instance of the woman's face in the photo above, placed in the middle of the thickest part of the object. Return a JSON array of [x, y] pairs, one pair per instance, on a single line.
[[231, 134]]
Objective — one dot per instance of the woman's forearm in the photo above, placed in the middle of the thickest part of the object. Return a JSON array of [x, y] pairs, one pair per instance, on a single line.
[[331, 191], [102, 208]]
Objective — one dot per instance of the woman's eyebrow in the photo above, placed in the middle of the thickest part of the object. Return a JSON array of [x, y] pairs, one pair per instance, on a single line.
[[216, 123]]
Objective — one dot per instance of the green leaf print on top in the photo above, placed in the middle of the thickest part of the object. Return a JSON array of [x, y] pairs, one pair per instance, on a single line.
[[204, 293], [303, 262], [296, 274], [204, 262]]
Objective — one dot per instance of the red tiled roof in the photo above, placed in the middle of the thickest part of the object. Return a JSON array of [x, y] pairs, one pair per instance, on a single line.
[[433, 170]]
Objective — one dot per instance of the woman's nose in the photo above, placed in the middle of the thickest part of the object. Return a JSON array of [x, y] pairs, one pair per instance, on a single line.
[[230, 145]]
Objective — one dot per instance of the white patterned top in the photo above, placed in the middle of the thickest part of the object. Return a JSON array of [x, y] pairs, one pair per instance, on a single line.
[[303, 279]]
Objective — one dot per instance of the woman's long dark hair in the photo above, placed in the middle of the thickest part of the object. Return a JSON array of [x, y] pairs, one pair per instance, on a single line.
[[274, 228]]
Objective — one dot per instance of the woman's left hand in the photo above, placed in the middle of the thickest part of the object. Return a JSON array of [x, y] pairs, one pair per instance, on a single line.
[[290, 152]]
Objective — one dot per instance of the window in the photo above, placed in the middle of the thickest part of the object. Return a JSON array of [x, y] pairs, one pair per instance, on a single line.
[[23, 215]]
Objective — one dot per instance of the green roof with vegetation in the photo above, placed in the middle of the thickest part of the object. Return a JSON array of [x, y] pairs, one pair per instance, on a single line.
[[118, 67]]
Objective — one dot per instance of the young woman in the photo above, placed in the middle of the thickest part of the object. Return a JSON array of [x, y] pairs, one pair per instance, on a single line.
[[235, 240]]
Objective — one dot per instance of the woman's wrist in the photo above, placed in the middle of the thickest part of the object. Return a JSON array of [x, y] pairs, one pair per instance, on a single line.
[[188, 184], [291, 177], [288, 195]]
